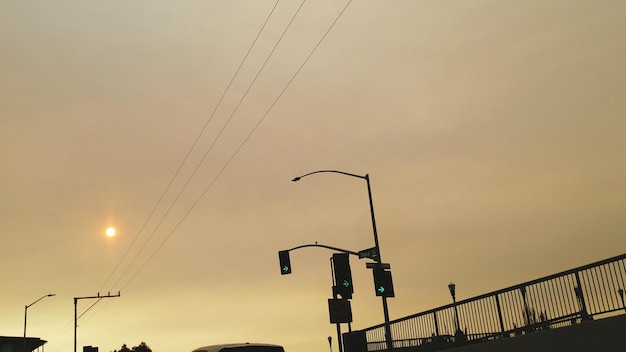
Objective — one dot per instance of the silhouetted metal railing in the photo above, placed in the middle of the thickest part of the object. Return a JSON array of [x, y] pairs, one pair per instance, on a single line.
[[570, 297]]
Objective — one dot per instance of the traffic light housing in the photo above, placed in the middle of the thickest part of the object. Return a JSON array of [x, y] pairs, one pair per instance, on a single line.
[[383, 282], [343, 275], [285, 262]]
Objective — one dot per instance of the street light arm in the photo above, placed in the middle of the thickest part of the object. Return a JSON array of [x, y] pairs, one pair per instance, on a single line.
[[42, 297], [333, 171]]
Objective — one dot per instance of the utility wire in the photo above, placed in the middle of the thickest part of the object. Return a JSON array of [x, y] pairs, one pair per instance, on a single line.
[[215, 141], [209, 150], [193, 146], [244, 141]]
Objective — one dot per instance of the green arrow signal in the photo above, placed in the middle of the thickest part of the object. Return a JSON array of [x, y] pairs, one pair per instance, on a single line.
[[346, 283], [285, 268], [381, 289]]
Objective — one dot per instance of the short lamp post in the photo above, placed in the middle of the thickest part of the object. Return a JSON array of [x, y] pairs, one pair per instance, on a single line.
[[452, 288], [25, 314], [388, 339]]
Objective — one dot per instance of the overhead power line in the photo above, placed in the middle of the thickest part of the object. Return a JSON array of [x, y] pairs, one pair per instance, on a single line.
[[184, 161], [245, 140]]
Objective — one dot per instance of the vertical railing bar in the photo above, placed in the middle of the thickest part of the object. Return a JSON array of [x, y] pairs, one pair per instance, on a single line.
[[490, 316], [476, 323], [502, 306], [566, 293], [542, 299], [599, 288], [513, 311], [495, 318], [481, 321], [615, 300], [532, 305], [521, 307], [538, 305], [485, 321], [603, 288], [581, 300], [558, 295], [622, 271], [592, 278], [403, 330], [517, 299], [608, 295], [503, 310], [573, 302], [552, 292], [614, 286], [550, 298]]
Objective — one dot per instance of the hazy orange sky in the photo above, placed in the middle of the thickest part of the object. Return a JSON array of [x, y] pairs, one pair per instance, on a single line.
[[493, 133]]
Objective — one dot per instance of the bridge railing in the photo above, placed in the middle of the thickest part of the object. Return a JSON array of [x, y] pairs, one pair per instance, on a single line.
[[566, 298]]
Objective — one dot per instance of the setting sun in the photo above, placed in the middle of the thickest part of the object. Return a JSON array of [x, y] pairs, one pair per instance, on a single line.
[[110, 232]]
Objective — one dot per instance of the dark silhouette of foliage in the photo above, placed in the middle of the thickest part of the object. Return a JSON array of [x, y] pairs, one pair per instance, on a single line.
[[141, 348]]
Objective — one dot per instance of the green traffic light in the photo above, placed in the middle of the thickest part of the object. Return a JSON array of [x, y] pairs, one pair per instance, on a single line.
[[285, 262]]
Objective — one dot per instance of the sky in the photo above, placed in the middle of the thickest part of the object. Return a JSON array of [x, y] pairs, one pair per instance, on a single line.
[[492, 133]]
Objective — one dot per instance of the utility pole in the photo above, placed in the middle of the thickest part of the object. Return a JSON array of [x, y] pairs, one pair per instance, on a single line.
[[108, 295]]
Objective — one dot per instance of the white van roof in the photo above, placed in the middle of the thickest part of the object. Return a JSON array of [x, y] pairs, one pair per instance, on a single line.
[[218, 348]]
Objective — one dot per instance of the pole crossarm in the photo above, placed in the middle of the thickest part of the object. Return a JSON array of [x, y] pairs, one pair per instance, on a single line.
[[324, 246], [108, 295]]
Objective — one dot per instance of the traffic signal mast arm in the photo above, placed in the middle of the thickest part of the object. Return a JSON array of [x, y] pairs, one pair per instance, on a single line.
[[324, 246]]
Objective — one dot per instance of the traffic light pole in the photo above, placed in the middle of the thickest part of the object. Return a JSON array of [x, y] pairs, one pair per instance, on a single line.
[[388, 338]]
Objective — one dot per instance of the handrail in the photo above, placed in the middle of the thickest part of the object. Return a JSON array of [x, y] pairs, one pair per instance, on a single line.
[[564, 298]]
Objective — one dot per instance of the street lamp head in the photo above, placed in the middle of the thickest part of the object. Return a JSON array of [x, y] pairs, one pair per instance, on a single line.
[[452, 288], [296, 179], [51, 294]]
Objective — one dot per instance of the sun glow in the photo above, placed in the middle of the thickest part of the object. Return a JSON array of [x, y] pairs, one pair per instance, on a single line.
[[110, 232]]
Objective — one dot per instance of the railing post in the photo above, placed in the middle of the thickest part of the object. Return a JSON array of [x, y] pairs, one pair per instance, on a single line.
[[581, 298], [436, 323], [499, 312]]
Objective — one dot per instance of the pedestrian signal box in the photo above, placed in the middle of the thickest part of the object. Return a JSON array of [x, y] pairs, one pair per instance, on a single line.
[[339, 311], [285, 262]]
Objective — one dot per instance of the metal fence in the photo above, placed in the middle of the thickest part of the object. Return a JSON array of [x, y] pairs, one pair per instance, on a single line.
[[570, 297]]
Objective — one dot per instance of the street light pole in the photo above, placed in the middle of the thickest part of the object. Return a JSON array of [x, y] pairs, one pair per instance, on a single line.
[[378, 259], [25, 313]]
